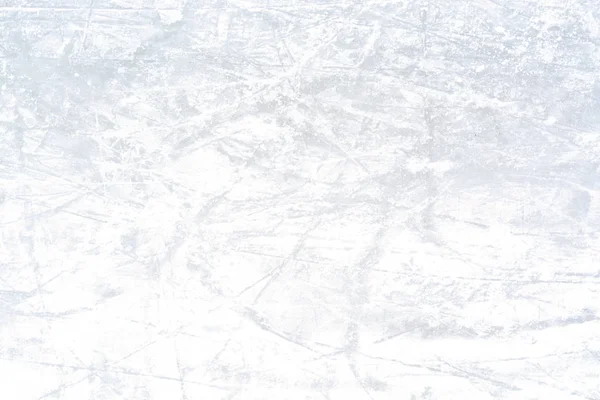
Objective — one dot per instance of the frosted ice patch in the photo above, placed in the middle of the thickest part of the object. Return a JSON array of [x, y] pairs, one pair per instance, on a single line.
[[441, 167], [169, 17], [415, 165], [28, 117], [223, 26]]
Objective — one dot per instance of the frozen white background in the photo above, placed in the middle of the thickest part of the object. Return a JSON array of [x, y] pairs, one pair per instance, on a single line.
[[299, 199]]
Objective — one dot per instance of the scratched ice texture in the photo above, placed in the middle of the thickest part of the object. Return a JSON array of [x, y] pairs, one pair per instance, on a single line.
[[299, 199]]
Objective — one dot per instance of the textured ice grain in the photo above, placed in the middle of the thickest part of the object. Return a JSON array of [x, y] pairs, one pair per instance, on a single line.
[[299, 199]]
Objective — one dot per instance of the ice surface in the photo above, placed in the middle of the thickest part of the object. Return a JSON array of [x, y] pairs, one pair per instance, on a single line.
[[299, 199]]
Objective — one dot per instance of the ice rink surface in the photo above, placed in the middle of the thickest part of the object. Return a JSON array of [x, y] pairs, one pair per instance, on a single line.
[[294, 199]]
